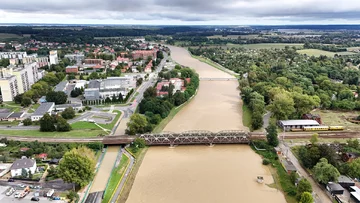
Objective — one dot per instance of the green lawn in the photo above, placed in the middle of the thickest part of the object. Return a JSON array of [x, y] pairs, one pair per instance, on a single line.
[[133, 98], [37, 133], [12, 106], [12, 123], [111, 125], [33, 108], [115, 178], [257, 46], [84, 125], [246, 118]]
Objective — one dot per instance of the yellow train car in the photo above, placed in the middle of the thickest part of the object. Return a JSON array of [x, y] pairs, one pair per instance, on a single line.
[[336, 127], [316, 128]]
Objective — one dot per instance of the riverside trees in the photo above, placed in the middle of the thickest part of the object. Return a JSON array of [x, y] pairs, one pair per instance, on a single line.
[[292, 84]]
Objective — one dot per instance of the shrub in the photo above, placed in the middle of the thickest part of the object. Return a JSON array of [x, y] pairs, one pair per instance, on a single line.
[[266, 162]]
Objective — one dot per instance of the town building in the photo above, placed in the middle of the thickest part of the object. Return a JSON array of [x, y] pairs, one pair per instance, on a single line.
[[27, 164], [335, 188], [62, 107], [8, 88], [144, 54], [72, 69], [94, 61], [312, 117], [29, 58], [46, 107], [53, 57], [75, 57], [101, 89], [177, 83], [7, 115], [148, 67], [296, 124], [25, 76], [355, 193], [42, 61], [12, 55], [61, 87]]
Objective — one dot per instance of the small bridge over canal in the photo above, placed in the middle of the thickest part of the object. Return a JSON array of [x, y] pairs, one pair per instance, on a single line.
[[218, 79], [185, 138]]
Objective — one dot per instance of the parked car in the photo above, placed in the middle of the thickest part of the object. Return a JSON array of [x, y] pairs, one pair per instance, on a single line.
[[10, 191], [37, 187], [21, 185], [17, 195], [11, 180], [35, 199]]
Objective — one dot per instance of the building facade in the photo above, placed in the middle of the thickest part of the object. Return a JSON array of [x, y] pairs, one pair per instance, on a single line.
[[53, 57], [8, 88], [27, 164], [75, 57], [12, 55], [144, 54]]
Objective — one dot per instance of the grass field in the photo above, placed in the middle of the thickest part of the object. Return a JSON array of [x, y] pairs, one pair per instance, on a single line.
[[330, 117], [115, 177], [84, 125], [33, 108], [9, 36], [111, 125], [12, 123], [12, 106], [317, 52], [37, 133], [257, 46], [233, 36], [246, 117]]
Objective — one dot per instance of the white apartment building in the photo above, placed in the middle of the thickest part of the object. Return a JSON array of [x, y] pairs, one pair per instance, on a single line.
[[8, 88], [75, 57], [53, 57], [25, 76], [12, 55]]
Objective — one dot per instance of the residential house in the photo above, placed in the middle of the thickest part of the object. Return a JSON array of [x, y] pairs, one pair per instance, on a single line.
[[46, 107], [27, 164], [72, 69], [42, 156], [335, 188]]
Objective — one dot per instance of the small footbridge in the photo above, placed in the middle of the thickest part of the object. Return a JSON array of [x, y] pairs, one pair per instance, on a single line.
[[218, 79]]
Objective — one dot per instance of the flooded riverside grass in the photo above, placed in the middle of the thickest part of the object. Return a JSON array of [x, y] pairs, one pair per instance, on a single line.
[[194, 174]]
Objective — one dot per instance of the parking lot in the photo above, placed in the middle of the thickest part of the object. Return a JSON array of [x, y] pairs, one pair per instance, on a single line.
[[27, 198]]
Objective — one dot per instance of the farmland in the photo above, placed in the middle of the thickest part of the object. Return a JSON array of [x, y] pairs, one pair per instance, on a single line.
[[6, 36], [317, 52], [256, 46]]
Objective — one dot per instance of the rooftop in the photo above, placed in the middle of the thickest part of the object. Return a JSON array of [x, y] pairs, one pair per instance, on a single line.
[[298, 122], [22, 163], [344, 179], [43, 108], [334, 186], [61, 86]]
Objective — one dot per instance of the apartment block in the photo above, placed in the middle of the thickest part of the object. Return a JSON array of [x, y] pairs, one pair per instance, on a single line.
[[53, 57], [8, 88]]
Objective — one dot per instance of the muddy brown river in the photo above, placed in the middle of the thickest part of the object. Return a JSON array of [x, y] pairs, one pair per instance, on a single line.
[[217, 105], [203, 174], [197, 174]]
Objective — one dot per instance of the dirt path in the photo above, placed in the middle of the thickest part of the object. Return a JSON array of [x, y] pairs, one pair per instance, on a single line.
[[217, 105]]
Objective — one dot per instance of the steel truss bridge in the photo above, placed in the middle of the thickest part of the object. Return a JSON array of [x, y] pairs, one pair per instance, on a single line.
[[197, 137]]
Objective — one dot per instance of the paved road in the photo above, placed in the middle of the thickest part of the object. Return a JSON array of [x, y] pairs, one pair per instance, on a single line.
[[318, 192], [123, 180]]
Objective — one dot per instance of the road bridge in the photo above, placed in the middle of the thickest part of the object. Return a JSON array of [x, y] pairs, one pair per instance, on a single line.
[[218, 79]]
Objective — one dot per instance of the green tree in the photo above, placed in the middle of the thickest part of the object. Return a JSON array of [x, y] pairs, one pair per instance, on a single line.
[[26, 101], [282, 106], [256, 120], [18, 98], [306, 197], [325, 172], [178, 98], [77, 166], [27, 122], [62, 125], [245, 94], [303, 186], [314, 138], [139, 82], [68, 113], [57, 97], [72, 196], [24, 173], [139, 143], [137, 124], [271, 135], [150, 92], [354, 168], [346, 94], [47, 123]]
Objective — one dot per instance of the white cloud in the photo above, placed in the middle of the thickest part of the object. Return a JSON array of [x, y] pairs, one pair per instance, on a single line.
[[180, 11]]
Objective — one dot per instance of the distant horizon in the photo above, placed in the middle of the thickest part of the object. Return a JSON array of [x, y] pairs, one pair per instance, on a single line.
[[222, 25]]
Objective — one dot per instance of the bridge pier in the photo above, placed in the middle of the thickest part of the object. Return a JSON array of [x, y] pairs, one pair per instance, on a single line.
[[211, 145]]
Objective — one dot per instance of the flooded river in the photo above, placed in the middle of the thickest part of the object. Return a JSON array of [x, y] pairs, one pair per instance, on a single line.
[[194, 174], [217, 105]]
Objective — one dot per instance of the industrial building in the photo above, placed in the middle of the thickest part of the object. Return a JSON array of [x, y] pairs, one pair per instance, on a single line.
[[101, 89], [297, 124]]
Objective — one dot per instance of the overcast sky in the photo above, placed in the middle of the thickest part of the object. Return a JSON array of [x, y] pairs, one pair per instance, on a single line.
[[191, 12]]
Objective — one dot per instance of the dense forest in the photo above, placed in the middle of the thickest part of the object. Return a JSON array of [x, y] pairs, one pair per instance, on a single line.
[[289, 83]]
